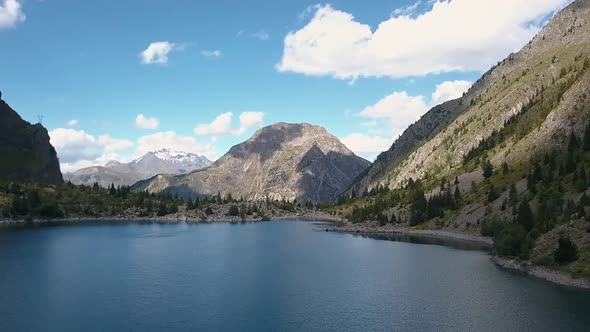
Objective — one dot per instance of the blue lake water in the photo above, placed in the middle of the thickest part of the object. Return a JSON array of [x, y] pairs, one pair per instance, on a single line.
[[275, 276]]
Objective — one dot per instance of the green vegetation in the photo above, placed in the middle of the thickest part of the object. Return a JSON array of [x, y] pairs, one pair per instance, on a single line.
[[566, 252], [37, 201]]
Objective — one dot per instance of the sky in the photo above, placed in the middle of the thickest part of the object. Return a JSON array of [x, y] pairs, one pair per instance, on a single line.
[[116, 79]]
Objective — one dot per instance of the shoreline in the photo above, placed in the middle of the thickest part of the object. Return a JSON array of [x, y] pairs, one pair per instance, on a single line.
[[168, 219], [537, 271], [541, 272], [384, 230]]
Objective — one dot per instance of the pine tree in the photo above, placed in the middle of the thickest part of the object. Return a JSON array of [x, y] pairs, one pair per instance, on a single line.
[[566, 251], [573, 142], [525, 216], [488, 169], [586, 142], [580, 180], [162, 209], [513, 194], [492, 194], [458, 197]]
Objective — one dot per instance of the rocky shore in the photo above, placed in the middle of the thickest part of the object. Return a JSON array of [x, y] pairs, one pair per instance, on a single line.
[[375, 228], [541, 272], [176, 218]]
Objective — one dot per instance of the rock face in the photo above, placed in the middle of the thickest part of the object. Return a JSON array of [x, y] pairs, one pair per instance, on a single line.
[[281, 161], [26, 152], [159, 162], [549, 78]]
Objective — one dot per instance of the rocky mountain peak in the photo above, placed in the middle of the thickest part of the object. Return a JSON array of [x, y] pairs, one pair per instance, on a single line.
[[281, 161]]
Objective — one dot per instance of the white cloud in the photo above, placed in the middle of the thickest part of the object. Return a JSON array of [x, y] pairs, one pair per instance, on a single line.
[[250, 120], [114, 144], [77, 149], [388, 118], [211, 53], [74, 145], [261, 35], [11, 13], [157, 52], [144, 122], [72, 123], [366, 146], [458, 35], [449, 90], [398, 110], [171, 140], [222, 124]]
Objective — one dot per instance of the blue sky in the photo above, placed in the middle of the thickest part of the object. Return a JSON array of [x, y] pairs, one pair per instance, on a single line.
[[363, 71]]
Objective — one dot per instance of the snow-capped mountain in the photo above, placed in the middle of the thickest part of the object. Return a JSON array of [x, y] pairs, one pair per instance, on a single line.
[[163, 161]]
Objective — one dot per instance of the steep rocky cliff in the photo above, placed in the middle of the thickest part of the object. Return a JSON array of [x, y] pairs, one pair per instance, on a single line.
[[25, 150], [281, 161]]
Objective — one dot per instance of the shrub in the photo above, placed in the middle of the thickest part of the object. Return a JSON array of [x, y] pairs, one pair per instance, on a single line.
[[233, 211], [566, 251]]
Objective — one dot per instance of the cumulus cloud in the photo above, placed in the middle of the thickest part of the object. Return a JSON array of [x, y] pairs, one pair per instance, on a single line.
[[173, 141], [72, 123], [222, 124], [396, 111], [458, 35], [114, 144], [211, 53], [157, 52], [74, 145], [366, 146], [141, 121], [449, 90], [250, 120], [11, 13], [77, 149]]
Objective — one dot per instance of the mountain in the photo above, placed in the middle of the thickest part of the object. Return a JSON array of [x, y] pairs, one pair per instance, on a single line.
[[281, 161], [159, 162], [27, 154], [510, 159], [553, 66]]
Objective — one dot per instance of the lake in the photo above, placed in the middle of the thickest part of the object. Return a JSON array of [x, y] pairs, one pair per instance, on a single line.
[[274, 276]]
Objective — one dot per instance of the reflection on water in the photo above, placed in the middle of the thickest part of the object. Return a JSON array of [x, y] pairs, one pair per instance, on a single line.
[[427, 239]]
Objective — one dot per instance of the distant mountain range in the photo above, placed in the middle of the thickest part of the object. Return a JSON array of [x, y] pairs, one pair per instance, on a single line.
[[282, 161], [158, 162]]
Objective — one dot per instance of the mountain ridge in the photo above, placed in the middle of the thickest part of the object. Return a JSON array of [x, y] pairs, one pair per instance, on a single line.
[[163, 161], [282, 161]]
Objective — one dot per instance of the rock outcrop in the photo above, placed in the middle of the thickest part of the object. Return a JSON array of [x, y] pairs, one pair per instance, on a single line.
[[25, 150]]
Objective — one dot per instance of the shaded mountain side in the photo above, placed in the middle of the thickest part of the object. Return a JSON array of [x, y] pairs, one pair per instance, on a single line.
[[279, 162], [27, 154], [552, 64]]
